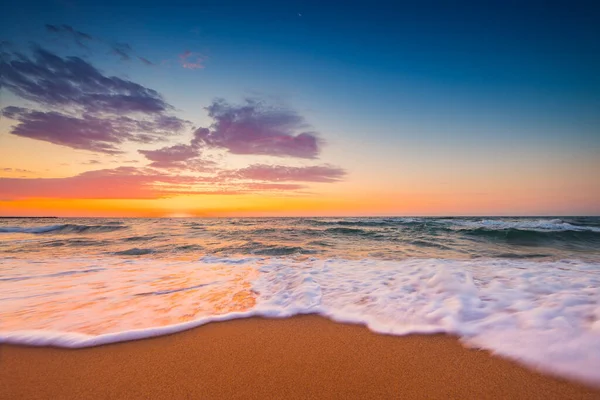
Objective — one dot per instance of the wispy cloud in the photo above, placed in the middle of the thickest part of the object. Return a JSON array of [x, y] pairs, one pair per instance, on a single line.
[[120, 49], [128, 183], [146, 61], [122, 183], [15, 170], [191, 60], [280, 173], [123, 50], [66, 30]]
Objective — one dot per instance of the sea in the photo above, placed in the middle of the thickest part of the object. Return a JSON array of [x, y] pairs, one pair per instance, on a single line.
[[527, 289]]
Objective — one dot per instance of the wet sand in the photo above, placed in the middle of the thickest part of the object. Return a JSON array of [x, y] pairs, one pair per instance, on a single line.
[[296, 358]]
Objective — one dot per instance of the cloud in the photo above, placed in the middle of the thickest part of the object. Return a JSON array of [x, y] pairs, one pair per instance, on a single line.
[[66, 30], [180, 156], [272, 186], [53, 81], [125, 183], [255, 128], [167, 155], [190, 60], [97, 112], [118, 183], [280, 173], [89, 132], [15, 170], [123, 50], [146, 61]]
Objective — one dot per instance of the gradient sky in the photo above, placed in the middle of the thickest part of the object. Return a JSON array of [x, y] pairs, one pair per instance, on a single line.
[[157, 108]]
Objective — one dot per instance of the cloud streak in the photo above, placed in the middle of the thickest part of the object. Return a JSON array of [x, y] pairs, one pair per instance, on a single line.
[[280, 173], [66, 30], [128, 183], [118, 183], [190, 60], [122, 50], [146, 61]]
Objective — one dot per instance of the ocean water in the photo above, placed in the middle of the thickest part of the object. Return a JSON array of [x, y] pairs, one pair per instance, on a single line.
[[523, 288]]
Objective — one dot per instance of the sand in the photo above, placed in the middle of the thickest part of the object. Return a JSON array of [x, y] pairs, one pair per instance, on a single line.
[[298, 358]]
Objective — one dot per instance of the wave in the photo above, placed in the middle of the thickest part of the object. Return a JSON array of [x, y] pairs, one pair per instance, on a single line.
[[141, 238], [543, 314], [366, 222], [134, 252], [282, 251], [63, 228], [520, 236], [53, 275], [552, 225], [263, 249]]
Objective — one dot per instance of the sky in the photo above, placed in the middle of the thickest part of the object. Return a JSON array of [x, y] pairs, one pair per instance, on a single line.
[[271, 108]]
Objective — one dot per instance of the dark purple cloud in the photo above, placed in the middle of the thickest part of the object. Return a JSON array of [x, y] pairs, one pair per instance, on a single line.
[[66, 30], [90, 132], [53, 81], [255, 128], [280, 173]]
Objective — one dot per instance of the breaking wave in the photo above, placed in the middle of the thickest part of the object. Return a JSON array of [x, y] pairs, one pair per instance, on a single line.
[[552, 225]]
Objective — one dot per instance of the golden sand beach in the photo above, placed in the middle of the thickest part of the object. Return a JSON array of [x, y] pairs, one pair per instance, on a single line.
[[297, 358]]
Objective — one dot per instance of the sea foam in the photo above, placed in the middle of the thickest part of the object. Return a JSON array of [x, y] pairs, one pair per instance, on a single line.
[[543, 314]]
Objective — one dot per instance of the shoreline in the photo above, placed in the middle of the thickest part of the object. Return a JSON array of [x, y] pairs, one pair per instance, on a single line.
[[300, 357]]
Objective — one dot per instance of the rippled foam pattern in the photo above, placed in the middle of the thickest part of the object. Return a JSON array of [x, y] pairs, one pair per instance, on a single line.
[[536, 300]]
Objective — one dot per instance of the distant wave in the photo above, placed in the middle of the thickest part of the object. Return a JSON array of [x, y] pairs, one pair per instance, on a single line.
[[63, 228], [141, 238], [552, 225], [134, 252], [366, 222], [528, 237], [282, 251]]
